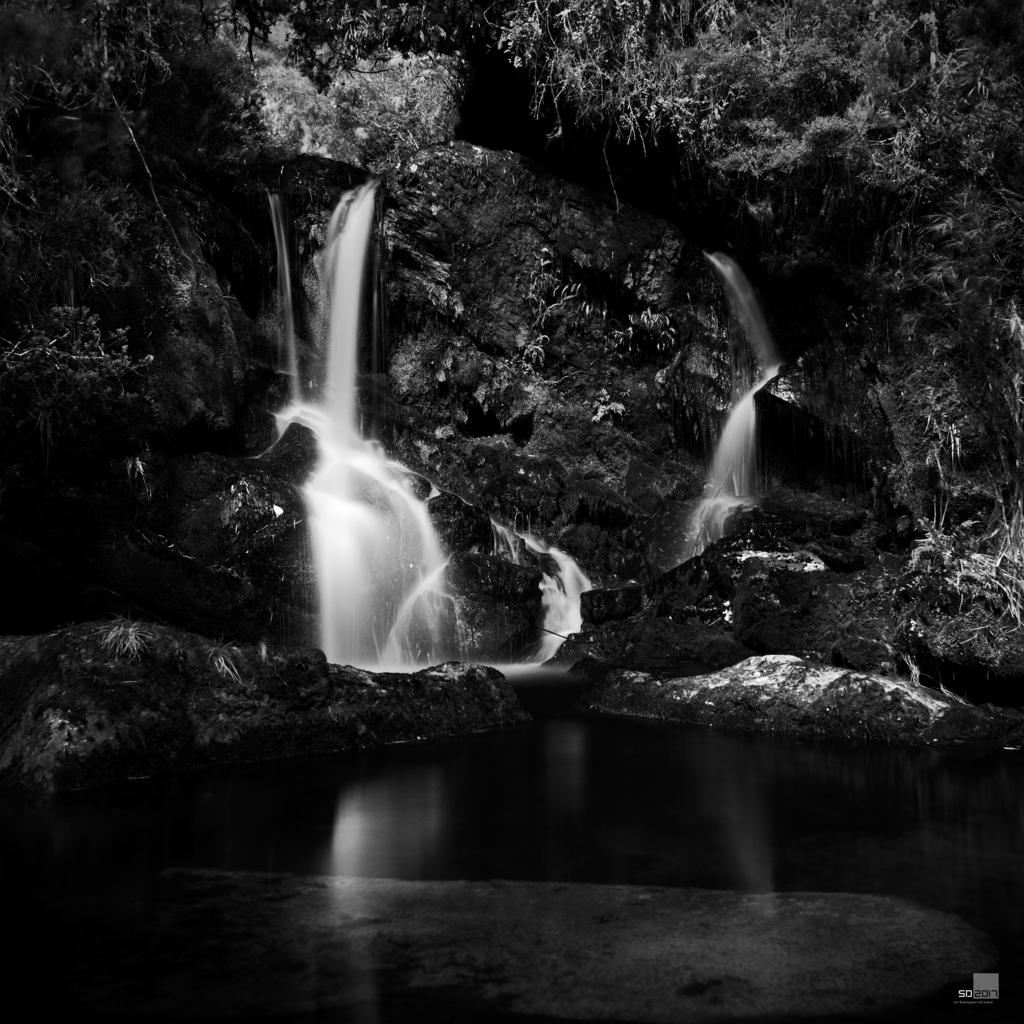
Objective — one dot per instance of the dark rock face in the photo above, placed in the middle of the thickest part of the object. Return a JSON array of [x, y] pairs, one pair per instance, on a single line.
[[785, 693], [105, 701], [598, 606], [656, 645], [518, 376], [460, 526], [220, 546], [499, 606]]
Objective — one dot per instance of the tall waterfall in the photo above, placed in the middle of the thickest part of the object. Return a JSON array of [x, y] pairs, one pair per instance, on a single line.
[[378, 561], [734, 469], [379, 564]]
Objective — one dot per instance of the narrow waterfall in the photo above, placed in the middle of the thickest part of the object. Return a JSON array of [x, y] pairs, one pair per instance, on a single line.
[[379, 565], [288, 350], [733, 476]]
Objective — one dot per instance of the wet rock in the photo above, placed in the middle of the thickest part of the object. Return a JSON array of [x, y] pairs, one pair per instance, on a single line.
[[292, 457], [599, 606], [506, 284], [656, 645], [239, 525], [172, 586], [460, 526], [112, 700], [790, 603], [787, 515], [519, 489], [700, 588], [789, 694], [498, 605], [488, 950]]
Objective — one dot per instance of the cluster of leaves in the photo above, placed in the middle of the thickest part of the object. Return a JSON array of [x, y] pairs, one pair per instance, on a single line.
[[105, 106], [102, 103], [399, 107], [62, 375]]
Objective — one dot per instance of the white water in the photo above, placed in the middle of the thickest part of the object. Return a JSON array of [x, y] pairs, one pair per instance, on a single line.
[[288, 348], [379, 565], [378, 562], [733, 477], [563, 584]]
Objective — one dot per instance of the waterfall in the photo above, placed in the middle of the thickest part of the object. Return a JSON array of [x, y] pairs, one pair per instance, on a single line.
[[378, 562], [733, 476], [289, 358], [561, 587]]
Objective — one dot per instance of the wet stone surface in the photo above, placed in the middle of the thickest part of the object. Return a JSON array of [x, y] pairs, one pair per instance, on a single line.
[[103, 701], [788, 694], [238, 944]]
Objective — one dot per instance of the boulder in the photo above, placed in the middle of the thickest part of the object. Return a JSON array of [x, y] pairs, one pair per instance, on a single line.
[[498, 606], [656, 645], [103, 701], [460, 525], [517, 375], [788, 694]]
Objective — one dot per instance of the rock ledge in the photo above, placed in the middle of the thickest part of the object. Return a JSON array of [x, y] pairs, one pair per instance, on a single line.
[[785, 693], [103, 701]]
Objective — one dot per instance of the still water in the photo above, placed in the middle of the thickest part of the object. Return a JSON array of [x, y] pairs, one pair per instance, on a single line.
[[570, 797]]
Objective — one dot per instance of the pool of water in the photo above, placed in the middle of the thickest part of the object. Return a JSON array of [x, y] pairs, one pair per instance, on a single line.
[[570, 797]]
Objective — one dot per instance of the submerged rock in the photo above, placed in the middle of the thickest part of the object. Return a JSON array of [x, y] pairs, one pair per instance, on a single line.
[[788, 694], [383, 949], [112, 700]]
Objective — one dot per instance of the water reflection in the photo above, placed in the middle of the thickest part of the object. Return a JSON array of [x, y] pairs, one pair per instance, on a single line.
[[567, 799], [391, 828]]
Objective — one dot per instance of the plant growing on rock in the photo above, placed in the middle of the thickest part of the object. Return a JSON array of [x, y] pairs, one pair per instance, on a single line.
[[605, 406], [61, 376], [126, 639]]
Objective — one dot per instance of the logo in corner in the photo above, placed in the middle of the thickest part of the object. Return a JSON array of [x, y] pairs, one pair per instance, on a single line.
[[985, 990]]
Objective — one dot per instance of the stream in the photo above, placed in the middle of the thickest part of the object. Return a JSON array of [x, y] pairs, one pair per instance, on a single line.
[[570, 797]]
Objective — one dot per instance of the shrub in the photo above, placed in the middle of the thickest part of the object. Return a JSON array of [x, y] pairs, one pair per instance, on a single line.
[[61, 376]]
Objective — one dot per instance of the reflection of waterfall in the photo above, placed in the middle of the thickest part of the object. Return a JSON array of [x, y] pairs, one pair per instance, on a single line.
[[564, 581], [734, 470], [378, 561]]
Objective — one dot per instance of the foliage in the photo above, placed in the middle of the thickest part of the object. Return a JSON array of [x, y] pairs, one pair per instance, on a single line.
[[604, 406], [399, 107], [61, 375]]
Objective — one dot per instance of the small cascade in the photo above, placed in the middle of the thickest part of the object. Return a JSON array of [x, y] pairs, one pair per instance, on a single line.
[[563, 584], [733, 477], [379, 564]]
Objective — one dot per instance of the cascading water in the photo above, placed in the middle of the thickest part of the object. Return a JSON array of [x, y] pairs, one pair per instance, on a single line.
[[561, 588], [379, 565], [733, 475], [289, 350], [378, 562]]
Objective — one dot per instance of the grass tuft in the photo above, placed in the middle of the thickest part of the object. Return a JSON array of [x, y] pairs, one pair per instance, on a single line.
[[125, 639], [222, 660]]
